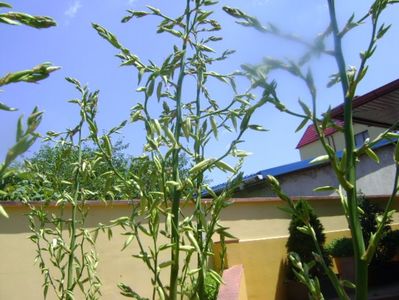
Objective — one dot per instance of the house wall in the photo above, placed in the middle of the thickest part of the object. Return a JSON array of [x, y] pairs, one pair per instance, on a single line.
[[264, 264], [316, 149], [250, 220], [373, 178]]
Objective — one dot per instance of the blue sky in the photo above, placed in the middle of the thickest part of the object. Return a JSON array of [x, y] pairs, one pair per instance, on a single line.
[[82, 54]]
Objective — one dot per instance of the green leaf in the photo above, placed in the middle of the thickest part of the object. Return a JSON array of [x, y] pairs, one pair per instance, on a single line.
[[392, 135], [159, 90], [128, 292], [186, 126], [382, 30], [161, 293], [396, 157], [128, 242], [215, 276], [370, 153], [348, 284], [173, 184], [209, 2], [302, 124], [287, 210], [170, 136], [226, 234], [3, 4], [7, 21], [104, 33], [166, 264], [217, 76], [6, 108], [171, 31], [204, 48], [194, 271], [305, 108], [3, 212], [324, 188], [92, 126], [320, 159], [250, 111], [240, 153], [304, 230], [22, 146], [75, 82], [109, 233], [140, 74], [214, 127], [204, 15], [150, 88], [257, 127], [234, 12], [193, 241], [224, 167], [201, 165], [155, 10], [210, 191], [35, 74], [334, 79], [26, 19], [134, 13], [273, 181], [107, 145], [20, 130]]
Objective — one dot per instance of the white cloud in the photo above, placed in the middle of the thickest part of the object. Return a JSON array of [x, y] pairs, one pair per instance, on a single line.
[[130, 2], [73, 9]]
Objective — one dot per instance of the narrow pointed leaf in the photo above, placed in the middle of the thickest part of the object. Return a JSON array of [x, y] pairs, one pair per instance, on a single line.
[[6, 108], [320, 159], [3, 212], [302, 124], [370, 153], [224, 167]]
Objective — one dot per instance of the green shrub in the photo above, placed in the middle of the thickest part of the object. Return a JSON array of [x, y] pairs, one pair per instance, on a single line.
[[341, 247], [211, 288], [368, 219], [302, 243], [388, 244], [388, 247]]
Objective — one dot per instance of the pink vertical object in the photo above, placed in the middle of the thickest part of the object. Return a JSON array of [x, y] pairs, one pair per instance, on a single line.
[[230, 288]]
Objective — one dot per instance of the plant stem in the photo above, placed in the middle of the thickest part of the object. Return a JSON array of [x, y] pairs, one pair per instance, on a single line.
[[198, 202], [72, 245], [175, 239], [350, 168]]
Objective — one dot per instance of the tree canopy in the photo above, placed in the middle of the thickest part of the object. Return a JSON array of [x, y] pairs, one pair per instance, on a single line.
[[48, 174]]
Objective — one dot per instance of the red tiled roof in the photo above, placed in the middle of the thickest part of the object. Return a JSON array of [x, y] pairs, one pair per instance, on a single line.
[[367, 99], [310, 135], [376, 108]]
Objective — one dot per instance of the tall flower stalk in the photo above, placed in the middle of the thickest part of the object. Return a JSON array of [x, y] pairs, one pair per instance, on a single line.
[[189, 120], [65, 248]]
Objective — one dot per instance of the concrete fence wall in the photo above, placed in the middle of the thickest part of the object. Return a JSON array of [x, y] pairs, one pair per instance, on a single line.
[[258, 224]]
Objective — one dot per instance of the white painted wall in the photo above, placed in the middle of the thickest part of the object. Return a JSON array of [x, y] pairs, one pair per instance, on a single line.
[[316, 149]]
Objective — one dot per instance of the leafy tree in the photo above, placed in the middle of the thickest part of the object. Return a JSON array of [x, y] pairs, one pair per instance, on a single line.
[[49, 173]]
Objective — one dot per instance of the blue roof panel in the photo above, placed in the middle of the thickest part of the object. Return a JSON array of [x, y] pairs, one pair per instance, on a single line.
[[288, 168]]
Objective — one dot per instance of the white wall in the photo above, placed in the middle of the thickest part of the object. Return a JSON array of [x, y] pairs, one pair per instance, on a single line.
[[315, 149]]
